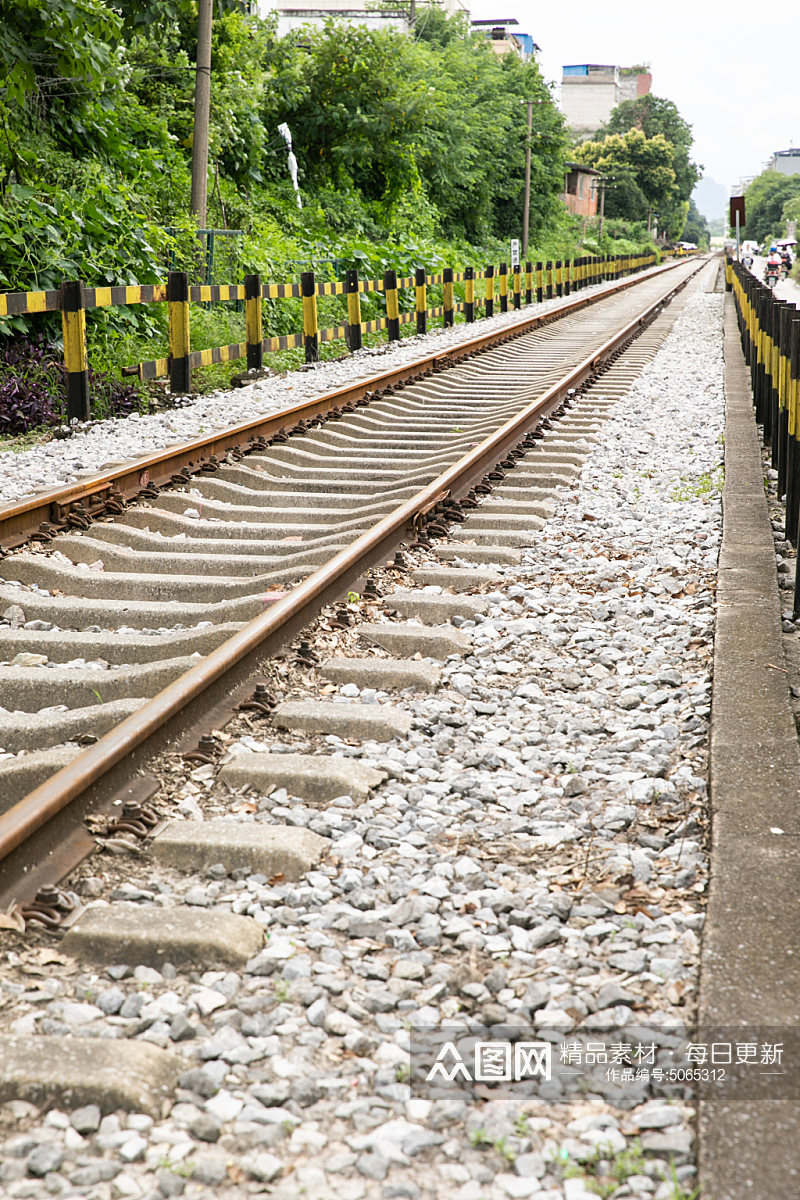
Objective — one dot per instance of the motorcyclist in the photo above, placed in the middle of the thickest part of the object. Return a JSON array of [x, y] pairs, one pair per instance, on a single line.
[[774, 263], [786, 259]]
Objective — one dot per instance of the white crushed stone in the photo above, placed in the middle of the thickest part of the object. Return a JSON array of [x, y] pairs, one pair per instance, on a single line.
[[573, 738], [108, 443]]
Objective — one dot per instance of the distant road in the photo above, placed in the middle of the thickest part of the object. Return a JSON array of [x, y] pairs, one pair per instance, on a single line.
[[787, 289]]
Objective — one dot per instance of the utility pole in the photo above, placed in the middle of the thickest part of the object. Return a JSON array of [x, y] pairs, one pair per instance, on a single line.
[[202, 104], [527, 208], [602, 202]]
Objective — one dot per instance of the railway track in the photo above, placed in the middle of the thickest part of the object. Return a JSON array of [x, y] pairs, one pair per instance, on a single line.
[[220, 1059], [130, 630]]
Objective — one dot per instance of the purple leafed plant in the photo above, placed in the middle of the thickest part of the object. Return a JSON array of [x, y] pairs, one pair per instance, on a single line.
[[33, 388]]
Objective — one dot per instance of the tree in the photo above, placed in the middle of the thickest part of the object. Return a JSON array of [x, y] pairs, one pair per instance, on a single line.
[[654, 115], [696, 228], [642, 179], [386, 116], [764, 201]]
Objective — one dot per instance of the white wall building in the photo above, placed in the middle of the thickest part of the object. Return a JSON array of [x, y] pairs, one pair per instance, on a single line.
[[786, 161], [590, 91]]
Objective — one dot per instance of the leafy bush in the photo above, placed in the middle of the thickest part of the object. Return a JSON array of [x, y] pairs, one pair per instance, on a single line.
[[33, 389]]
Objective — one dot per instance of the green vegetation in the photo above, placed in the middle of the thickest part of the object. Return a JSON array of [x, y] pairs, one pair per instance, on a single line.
[[709, 483], [605, 1171], [644, 150], [409, 149], [696, 228], [410, 152], [765, 200]]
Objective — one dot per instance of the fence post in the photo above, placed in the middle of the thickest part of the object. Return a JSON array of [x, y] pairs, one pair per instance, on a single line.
[[767, 410], [252, 316], [785, 358], [503, 287], [539, 283], [793, 461], [180, 371], [528, 283], [76, 362], [567, 273], [447, 297], [308, 287], [517, 288], [392, 306], [489, 290], [353, 310], [549, 270], [421, 288], [559, 277], [469, 294]]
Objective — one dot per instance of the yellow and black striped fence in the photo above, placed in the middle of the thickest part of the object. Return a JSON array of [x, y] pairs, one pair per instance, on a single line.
[[770, 334], [538, 281]]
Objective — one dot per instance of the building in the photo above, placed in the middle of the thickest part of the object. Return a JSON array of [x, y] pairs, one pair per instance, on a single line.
[[294, 14], [503, 42], [580, 189], [787, 162], [590, 92]]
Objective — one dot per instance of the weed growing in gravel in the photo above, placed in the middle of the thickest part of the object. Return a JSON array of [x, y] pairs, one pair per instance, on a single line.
[[281, 991], [605, 1171], [678, 1190], [698, 487], [479, 1137], [504, 1150]]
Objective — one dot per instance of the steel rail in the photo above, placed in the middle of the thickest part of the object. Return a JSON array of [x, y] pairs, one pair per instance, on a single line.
[[298, 606], [22, 519]]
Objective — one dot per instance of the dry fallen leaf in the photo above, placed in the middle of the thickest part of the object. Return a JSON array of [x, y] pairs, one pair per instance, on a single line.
[[12, 920]]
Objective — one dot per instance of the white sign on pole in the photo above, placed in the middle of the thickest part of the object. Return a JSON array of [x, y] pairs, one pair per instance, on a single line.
[[514, 253]]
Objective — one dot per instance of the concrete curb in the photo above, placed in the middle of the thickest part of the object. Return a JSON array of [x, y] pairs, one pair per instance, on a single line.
[[750, 968]]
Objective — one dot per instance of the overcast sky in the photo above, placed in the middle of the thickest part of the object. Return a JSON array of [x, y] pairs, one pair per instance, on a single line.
[[702, 58]]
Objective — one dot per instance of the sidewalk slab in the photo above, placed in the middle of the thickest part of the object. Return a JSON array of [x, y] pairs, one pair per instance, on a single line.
[[750, 968]]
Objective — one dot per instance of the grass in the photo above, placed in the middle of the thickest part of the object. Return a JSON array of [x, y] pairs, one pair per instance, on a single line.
[[221, 325], [24, 441], [605, 1171], [698, 487]]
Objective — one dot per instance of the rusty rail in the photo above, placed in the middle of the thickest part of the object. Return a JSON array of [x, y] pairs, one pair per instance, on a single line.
[[265, 633], [97, 494]]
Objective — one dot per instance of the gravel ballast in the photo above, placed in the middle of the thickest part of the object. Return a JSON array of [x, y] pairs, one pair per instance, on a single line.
[[535, 858], [106, 443]]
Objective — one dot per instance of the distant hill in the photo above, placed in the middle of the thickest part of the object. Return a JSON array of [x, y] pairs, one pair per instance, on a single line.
[[711, 198]]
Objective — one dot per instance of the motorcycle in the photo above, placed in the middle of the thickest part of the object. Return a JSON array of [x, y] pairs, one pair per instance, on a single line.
[[747, 261], [772, 274]]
